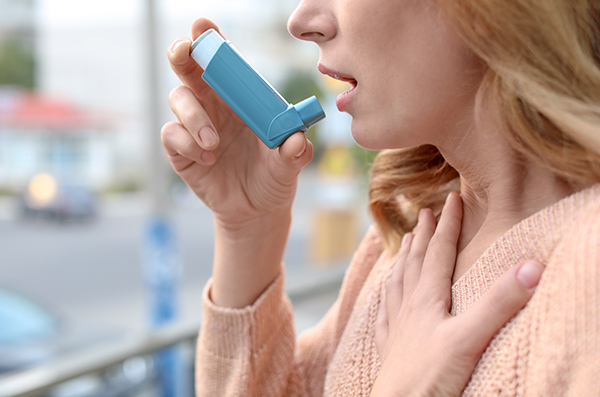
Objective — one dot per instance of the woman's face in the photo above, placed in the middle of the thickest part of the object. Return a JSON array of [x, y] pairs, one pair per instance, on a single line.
[[413, 81]]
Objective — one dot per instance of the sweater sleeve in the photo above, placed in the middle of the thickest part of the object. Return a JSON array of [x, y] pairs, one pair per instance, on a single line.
[[567, 362], [253, 352]]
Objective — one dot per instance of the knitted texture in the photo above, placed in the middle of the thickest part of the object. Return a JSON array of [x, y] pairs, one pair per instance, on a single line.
[[550, 348]]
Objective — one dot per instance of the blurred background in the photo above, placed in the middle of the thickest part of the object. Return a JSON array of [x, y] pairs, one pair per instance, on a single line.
[[104, 252]]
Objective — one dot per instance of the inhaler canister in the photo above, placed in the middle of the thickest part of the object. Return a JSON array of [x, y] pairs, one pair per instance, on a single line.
[[249, 95]]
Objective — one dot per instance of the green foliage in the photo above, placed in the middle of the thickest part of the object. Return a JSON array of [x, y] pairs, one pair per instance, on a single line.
[[5, 191], [364, 158], [17, 65], [298, 87], [122, 186]]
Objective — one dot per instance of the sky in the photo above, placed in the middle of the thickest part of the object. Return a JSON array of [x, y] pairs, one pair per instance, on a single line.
[[77, 12]]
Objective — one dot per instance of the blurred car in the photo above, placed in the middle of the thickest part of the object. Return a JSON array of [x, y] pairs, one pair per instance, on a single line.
[[31, 334], [26, 329], [47, 196]]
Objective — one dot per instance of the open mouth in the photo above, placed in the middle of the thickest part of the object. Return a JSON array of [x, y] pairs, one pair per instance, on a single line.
[[337, 76]]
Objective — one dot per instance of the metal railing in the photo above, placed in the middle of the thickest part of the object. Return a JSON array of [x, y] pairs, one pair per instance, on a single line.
[[43, 378]]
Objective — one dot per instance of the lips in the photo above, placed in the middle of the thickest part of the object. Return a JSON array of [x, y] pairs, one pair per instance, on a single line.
[[337, 75], [344, 99]]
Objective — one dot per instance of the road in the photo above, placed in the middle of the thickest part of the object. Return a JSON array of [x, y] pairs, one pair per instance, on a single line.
[[92, 272]]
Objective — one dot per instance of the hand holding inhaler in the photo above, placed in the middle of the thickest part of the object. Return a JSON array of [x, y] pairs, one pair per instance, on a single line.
[[236, 175], [249, 187], [249, 95], [233, 172]]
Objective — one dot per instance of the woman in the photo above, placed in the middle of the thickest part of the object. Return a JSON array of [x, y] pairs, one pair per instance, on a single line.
[[499, 100]]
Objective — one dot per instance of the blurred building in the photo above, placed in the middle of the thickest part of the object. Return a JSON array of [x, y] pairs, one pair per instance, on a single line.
[[47, 135], [93, 54]]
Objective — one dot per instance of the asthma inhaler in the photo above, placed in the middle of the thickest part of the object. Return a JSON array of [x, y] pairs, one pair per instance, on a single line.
[[249, 95]]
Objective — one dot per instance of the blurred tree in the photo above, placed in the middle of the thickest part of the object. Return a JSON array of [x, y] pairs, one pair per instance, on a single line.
[[17, 65], [297, 87], [364, 158]]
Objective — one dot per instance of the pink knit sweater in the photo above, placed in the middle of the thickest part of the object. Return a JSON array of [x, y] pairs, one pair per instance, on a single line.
[[551, 348]]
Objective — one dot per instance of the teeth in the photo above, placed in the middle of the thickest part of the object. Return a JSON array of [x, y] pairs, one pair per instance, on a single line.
[[336, 76]]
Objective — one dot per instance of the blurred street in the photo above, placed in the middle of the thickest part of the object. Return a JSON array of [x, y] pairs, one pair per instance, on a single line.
[[82, 172], [91, 272]]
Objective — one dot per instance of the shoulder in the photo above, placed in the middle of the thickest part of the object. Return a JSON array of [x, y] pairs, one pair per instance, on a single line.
[[365, 257], [583, 229], [575, 261], [363, 262]]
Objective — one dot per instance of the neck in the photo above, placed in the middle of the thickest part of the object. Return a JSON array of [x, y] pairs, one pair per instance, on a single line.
[[499, 187]]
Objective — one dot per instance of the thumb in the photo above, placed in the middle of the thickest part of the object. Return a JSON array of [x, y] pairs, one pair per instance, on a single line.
[[295, 153], [509, 294]]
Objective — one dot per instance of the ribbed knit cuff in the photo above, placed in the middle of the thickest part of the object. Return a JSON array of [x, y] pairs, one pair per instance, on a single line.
[[235, 333]]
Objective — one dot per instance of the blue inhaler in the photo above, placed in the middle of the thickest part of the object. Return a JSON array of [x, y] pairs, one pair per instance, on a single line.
[[249, 95]]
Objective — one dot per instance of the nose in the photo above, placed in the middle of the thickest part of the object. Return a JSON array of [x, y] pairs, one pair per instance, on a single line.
[[312, 21]]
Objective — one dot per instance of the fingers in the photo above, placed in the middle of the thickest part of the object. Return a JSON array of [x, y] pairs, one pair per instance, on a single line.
[[394, 290], [179, 53], [504, 299], [414, 262], [391, 297], [382, 326], [193, 117], [182, 63], [201, 25], [440, 259], [182, 149], [184, 66]]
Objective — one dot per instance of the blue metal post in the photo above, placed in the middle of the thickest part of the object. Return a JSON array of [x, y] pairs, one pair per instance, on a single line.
[[163, 278]]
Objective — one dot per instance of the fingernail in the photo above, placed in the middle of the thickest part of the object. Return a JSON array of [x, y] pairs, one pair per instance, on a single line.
[[529, 274], [176, 45], [450, 195], [208, 137]]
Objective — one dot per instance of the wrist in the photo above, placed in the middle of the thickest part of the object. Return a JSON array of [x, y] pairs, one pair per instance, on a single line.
[[248, 258], [253, 228]]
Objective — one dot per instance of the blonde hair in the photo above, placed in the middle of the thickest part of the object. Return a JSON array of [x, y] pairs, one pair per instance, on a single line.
[[543, 58]]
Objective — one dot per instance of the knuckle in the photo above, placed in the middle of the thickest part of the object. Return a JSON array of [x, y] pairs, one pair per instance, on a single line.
[[194, 115], [167, 132], [501, 304], [190, 147], [439, 241], [422, 298], [176, 93], [415, 257], [435, 244]]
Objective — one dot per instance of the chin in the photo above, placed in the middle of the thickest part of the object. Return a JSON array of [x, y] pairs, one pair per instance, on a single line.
[[364, 136], [374, 137], [365, 142]]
